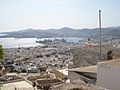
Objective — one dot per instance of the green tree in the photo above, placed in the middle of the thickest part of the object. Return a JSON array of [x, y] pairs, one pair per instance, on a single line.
[[1, 52], [1, 57]]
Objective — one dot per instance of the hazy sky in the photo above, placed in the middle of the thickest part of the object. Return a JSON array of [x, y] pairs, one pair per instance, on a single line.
[[44, 14]]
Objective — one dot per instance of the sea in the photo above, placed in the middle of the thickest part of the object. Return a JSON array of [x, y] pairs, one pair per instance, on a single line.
[[12, 42]]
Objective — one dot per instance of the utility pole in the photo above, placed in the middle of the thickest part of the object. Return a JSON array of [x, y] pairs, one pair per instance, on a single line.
[[100, 35]]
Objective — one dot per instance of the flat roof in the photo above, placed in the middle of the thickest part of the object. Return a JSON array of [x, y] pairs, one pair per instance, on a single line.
[[64, 71], [89, 69], [114, 62], [18, 85]]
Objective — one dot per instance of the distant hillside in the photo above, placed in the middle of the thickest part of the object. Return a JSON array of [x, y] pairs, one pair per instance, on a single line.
[[30, 33], [110, 32]]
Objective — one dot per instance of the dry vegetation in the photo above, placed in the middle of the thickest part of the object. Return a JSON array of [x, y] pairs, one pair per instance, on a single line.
[[86, 56]]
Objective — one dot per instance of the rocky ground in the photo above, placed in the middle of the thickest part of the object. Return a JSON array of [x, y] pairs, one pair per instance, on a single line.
[[86, 56]]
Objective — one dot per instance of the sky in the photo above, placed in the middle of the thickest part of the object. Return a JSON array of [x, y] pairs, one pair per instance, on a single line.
[[47, 14]]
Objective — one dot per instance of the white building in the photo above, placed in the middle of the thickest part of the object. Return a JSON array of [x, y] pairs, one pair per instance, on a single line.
[[108, 74]]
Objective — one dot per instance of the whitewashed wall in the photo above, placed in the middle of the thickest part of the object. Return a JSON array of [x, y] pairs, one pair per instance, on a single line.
[[108, 76]]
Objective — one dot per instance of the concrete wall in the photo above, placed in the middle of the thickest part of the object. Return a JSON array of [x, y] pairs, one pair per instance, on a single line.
[[73, 76], [108, 76]]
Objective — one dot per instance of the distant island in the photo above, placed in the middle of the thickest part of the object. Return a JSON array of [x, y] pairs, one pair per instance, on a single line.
[[107, 33]]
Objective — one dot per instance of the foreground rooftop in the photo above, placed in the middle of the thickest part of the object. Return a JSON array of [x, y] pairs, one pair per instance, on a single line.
[[114, 62], [90, 69]]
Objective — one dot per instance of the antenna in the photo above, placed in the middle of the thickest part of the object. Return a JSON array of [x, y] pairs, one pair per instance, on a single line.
[[100, 35]]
